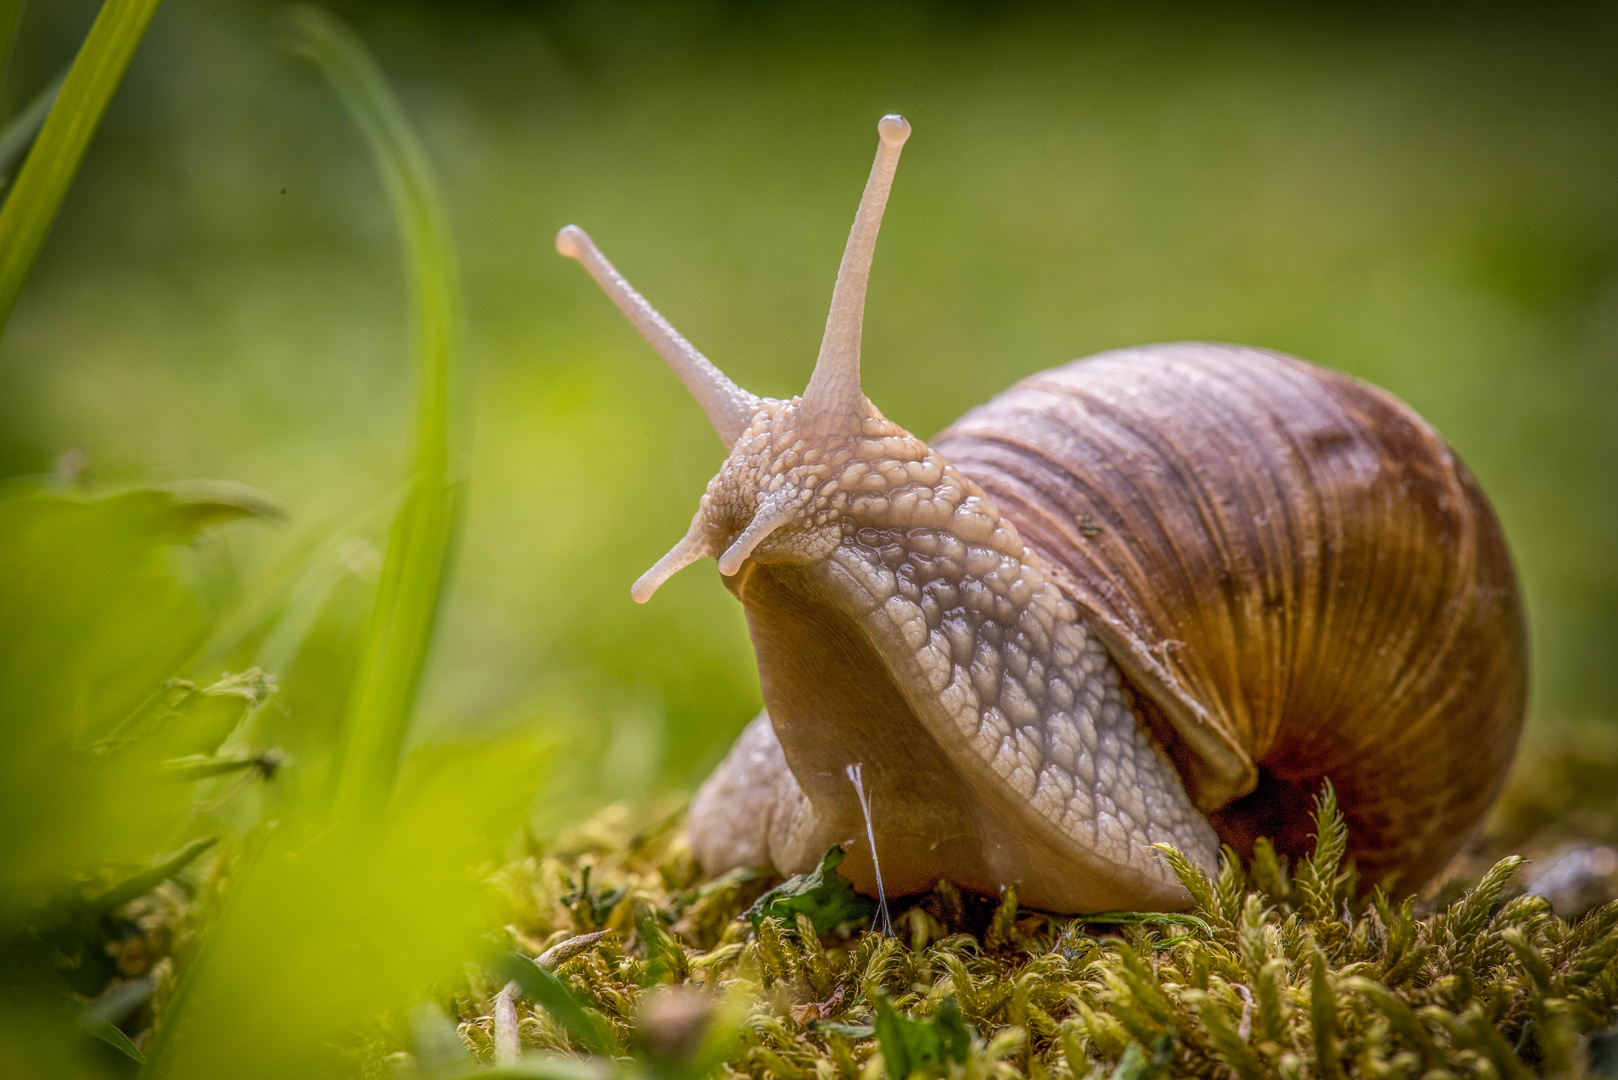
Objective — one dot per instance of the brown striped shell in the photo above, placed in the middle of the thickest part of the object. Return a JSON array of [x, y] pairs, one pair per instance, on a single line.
[[1296, 570]]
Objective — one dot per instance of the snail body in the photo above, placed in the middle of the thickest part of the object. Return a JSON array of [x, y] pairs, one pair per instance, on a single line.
[[1156, 596]]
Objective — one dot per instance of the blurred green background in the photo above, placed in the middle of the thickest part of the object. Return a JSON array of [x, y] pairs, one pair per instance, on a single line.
[[1428, 200]]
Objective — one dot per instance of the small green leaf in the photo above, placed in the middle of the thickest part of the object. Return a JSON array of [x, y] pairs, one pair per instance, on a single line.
[[1269, 872], [116, 1004], [1319, 880], [591, 906], [1473, 911], [1231, 885], [1402, 1022], [1323, 1014], [545, 988], [193, 767], [1148, 918], [1232, 1047], [144, 882], [926, 1046], [109, 1033], [195, 506], [1142, 981], [666, 961], [824, 895], [1191, 876]]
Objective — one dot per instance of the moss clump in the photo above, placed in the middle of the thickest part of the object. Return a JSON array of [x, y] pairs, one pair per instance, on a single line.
[[1283, 971]]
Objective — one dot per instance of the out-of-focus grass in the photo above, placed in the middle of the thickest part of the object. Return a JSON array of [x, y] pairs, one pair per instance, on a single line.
[[96, 619], [422, 540], [1421, 200], [356, 887], [362, 897]]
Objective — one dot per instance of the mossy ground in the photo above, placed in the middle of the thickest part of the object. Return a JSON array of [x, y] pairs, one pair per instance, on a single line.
[[1294, 975], [1292, 971]]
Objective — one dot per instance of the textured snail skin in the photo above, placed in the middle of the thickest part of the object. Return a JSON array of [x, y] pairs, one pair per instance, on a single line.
[[901, 624], [1157, 596]]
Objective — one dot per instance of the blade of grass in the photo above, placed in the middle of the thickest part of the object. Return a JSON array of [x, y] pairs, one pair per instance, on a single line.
[[30, 211], [144, 882], [20, 131], [313, 556], [420, 546], [109, 1034], [174, 1016], [540, 985]]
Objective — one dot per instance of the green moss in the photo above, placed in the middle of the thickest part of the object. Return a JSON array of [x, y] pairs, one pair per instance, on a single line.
[[1279, 970], [1292, 976]]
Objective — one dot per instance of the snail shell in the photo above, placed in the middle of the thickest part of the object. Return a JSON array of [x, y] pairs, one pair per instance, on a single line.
[[1157, 596], [1297, 572]]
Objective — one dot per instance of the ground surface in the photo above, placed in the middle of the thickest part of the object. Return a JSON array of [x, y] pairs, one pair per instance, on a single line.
[[1506, 967], [1285, 976]]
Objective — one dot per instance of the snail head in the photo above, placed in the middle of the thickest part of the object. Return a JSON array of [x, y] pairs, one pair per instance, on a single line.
[[800, 471]]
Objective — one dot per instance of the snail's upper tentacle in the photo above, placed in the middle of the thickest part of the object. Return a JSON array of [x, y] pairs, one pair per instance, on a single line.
[[728, 407], [833, 399]]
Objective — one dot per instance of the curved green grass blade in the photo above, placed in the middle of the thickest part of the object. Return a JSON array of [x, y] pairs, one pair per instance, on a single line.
[[540, 985], [109, 1034], [20, 131], [421, 543], [30, 211], [420, 546]]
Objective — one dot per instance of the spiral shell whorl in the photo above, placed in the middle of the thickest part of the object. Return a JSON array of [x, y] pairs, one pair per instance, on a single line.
[[1293, 566]]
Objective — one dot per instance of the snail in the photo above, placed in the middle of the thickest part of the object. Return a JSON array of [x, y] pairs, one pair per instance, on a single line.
[[1156, 596]]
